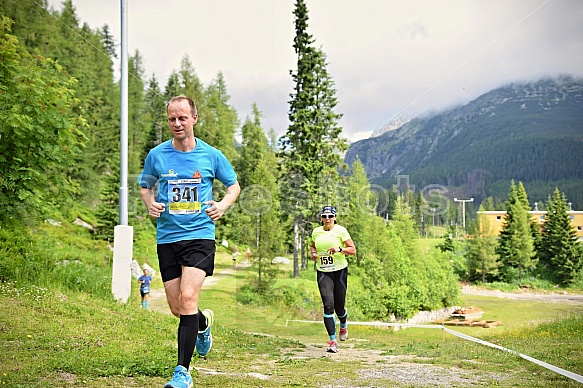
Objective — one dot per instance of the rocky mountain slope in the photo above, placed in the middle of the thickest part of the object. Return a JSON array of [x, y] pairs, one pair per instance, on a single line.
[[529, 132]]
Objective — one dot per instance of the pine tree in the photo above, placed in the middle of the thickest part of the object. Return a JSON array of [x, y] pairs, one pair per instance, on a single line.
[[108, 206], [516, 246], [522, 196], [447, 245], [403, 223], [311, 146], [559, 248], [482, 257], [137, 135], [258, 217], [488, 204], [108, 41], [186, 82], [361, 207], [107, 211], [173, 87], [82, 53], [221, 119], [419, 216], [155, 119]]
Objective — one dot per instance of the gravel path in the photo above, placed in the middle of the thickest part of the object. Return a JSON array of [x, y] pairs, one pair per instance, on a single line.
[[380, 369], [561, 297]]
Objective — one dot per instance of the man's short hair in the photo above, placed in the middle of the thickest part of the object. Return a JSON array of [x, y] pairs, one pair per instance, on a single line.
[[191, 102]]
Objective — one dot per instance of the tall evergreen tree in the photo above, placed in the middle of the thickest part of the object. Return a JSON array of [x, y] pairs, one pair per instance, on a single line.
[[254, 147], [155, 119], [186, 82], [258, 219], [559, 248], [488, 204], [82, 52], [191, 85], [362, 205], [447, 245], [516, 246], [33, 25], [419, 216], [311, 146], [173, 87], [107, 211], [403, 223], [221, 119], [482, 257], [108, 207], [137, 131], [522, 196], [108, 41]]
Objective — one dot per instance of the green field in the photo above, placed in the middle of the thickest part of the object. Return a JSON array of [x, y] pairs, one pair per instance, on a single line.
[[49, 339]]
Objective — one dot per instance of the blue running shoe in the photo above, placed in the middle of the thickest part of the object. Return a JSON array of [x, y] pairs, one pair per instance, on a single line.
[[180, 379], [204, 340]]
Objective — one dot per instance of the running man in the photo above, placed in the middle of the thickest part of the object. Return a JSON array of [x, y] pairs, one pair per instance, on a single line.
[[182, 171], [145, 281]]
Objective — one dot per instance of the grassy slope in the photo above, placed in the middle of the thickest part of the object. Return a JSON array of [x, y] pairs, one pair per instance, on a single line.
[[50, 339], [60, 340]]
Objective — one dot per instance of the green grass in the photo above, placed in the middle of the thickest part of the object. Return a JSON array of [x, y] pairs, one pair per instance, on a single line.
[[427, 244], [518, 318], [62, 336]]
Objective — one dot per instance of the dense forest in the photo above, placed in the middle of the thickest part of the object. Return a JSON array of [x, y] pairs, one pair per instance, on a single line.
[[60, 157]]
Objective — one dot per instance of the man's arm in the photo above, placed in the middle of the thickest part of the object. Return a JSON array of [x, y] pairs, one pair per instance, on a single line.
[[154, 208], [217, 209]]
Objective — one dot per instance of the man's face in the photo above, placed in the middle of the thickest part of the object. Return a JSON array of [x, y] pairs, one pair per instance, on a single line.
[[180, 120]]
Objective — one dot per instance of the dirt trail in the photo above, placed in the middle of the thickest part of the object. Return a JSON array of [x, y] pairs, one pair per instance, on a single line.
[[562, 297], [398, 368]]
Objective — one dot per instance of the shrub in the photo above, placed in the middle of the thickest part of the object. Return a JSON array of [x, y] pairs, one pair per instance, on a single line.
[[76, 276], [247, 295], [21, 260]]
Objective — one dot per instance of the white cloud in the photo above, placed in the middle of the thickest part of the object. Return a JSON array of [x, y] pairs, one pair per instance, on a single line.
[[386, 57]]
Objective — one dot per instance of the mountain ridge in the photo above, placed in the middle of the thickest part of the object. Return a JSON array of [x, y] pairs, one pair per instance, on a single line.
[[529, 132]]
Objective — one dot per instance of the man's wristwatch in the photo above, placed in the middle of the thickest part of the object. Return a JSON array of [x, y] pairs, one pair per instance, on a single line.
[[340, 249]]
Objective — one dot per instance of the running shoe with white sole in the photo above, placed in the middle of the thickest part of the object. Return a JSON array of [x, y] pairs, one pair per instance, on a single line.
[[343, 333], [180, 379], [332, 347], [204, 339]]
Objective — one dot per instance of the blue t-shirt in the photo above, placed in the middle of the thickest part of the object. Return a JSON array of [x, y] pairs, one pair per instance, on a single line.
[[185, 181], [145, 280]]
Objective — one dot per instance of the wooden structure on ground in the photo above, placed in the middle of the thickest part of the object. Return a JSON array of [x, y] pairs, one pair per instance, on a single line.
[[468, 316]]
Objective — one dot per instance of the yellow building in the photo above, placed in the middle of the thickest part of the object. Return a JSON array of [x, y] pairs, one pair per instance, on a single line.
[[496, 220]]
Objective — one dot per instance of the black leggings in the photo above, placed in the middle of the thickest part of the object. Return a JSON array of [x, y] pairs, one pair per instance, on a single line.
[[333, 287]]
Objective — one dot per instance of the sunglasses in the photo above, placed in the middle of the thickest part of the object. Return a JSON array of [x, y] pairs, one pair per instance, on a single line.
[[328, 216]]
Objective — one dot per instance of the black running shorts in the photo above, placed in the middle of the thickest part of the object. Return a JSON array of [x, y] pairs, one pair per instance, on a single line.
[[189, 253]]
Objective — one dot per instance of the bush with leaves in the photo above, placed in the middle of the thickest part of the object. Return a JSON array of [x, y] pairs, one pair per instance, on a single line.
[[20, 261], [39, 134]]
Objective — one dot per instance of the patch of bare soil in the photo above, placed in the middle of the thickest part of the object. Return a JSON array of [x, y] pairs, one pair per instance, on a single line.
[[382, 369], [419, 375]]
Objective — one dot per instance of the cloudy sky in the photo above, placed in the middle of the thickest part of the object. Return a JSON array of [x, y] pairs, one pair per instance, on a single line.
[[389, 58]]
